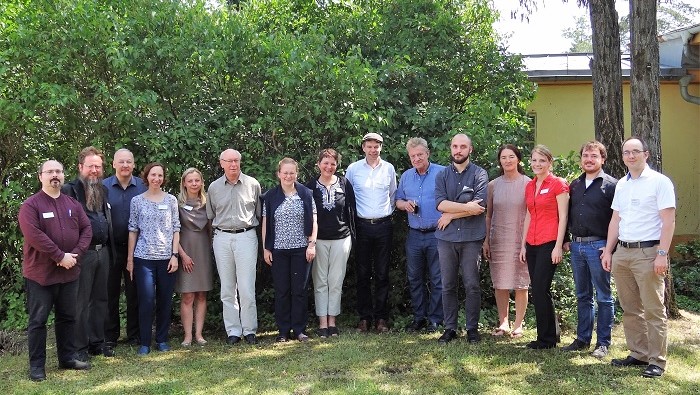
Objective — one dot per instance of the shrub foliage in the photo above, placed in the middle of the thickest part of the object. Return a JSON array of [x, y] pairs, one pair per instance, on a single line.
[[179, 81]]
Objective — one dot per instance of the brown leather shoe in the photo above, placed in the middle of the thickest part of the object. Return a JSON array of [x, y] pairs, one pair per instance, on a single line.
[[382, 327], [363, 326]]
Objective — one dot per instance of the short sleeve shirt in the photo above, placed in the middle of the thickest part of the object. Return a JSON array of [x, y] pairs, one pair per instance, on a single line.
[[155, 222], [543, 208]]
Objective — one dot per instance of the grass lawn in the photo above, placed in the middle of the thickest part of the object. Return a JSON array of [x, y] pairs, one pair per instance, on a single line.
[[394, 363]]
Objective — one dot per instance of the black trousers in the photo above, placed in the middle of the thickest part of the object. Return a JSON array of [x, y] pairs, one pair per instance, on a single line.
[[117, 271], [40, 301], [372, 259], [539, 264], [92, 300], [290, 276]]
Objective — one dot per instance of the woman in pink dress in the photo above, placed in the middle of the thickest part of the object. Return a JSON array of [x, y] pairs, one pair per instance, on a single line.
[[505, 213]]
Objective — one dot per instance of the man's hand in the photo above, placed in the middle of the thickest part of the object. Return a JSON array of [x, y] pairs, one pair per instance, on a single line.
[[606, 260], [474, 208], [444, 220], [661, 265], [69, 260]]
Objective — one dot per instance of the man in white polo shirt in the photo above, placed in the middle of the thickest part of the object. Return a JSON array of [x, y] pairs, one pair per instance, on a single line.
[[374, 183], [642, 225]]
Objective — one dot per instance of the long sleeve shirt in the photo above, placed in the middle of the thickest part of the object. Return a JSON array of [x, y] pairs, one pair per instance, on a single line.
[[52, 228]]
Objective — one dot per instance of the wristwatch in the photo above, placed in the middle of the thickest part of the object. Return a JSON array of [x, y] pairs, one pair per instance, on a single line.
[[176, 255], [662, 252]]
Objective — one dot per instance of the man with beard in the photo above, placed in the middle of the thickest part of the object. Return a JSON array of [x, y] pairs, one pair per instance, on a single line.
[[121, 188], [56, 232], [92, 284], [460, 194]]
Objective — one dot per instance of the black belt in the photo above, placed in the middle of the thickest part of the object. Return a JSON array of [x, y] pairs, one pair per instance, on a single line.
[[97, 247], [374, 221], [236, 230], [638, 244], [586, 239], [426, 230]]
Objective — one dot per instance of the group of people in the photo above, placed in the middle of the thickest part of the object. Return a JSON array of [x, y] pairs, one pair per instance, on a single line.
[[84, 238]]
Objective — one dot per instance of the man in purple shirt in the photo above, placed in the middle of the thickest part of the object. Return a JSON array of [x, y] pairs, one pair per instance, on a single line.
[[56, 232]]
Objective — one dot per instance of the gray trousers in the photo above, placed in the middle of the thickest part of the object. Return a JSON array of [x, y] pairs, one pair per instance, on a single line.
[[461, 257]]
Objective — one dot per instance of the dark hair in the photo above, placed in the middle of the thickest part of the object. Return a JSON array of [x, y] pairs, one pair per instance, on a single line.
[[517, 153], [329, 153], [645, 147], [595, 145], [147, 169]]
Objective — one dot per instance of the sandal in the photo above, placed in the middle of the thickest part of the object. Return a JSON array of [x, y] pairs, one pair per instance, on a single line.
[[333, 331], [517, 333], [498, 332]]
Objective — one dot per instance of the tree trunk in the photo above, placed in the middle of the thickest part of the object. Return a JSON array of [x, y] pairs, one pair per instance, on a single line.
[[644, 99], [644, 77], [607, 83]]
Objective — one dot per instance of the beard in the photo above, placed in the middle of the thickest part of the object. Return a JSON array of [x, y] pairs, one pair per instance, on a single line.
[[93, 194], [460, 161]]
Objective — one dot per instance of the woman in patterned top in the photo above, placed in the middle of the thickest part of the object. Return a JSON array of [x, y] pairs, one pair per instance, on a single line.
[[289, 240], [335, 206], [154, 236]]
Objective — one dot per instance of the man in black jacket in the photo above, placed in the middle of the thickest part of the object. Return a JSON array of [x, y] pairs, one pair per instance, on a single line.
[[92, 283]]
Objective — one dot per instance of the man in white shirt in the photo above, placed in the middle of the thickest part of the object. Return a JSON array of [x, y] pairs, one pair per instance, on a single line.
[[642, 225], [374, 183]]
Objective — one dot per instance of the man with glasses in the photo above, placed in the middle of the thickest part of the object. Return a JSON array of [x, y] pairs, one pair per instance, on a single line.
[[121, 188], [56, 232], [233, 206], [95, 263], [641, 228]]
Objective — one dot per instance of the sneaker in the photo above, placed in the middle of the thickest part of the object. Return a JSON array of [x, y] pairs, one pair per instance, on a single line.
[[162, 347], [600, 352], [143, 350], [576, 345]]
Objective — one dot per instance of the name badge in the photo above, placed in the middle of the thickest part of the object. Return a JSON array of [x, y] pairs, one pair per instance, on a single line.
[[543, 191], [635, 202], [187, 207], [162, 207], [47, 215]]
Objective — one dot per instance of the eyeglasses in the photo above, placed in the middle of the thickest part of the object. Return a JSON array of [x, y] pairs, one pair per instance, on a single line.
[[57, 171], [230, 160], [634, 152], [93, 167]]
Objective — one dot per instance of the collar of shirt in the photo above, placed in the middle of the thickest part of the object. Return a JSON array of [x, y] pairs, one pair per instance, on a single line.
[[645, 172]]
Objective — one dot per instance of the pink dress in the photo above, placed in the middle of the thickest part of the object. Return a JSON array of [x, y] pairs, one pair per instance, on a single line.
[[508, 215]]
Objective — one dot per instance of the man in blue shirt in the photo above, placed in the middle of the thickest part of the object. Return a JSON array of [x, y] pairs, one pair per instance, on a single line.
[[460, 194], [121, 188], [416, 196]]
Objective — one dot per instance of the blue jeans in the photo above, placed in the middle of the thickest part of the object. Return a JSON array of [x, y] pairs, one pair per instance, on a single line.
[[154, 286], [588, 275], [422, 261]]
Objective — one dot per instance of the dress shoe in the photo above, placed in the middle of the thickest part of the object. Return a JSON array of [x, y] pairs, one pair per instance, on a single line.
[[37, 373], [432, 327], [363, 326], [233, 340], [629, 361], [537, 345], [653, 371], [473, 336], [447, 336], [163, 347], [382, 326], [281, 339], [250, 338], [82, 356], [416, 326], [133, 341], [74, 364], [577, 345], [143, 350], [333, 331], [108, 352]]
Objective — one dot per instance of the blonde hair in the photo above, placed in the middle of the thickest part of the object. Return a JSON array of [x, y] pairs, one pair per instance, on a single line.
[[182, 197], [287, 161]]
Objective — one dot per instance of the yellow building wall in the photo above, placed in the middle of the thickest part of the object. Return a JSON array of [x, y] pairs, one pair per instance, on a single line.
[[564, 121]]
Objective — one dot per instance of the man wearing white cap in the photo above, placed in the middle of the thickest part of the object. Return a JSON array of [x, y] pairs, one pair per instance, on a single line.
[[374, 182]]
